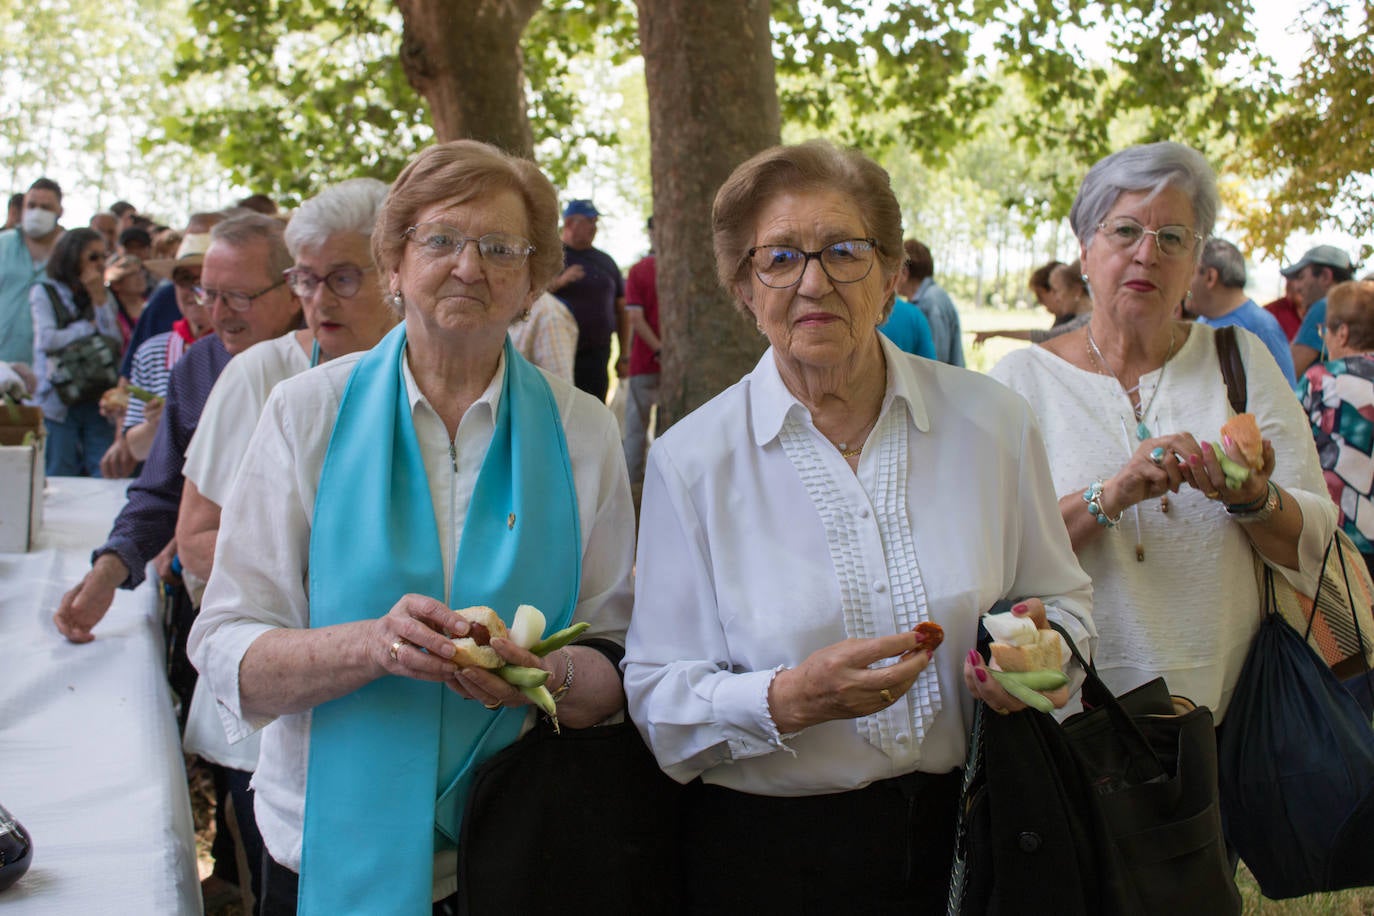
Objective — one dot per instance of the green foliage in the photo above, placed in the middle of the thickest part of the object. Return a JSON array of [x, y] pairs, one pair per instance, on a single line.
[[1320, 148], [559, 34], [302, 93], [295, 94], [1089, 77]]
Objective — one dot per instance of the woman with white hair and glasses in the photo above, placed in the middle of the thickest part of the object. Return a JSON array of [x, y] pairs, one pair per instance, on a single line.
[[1132, 406]]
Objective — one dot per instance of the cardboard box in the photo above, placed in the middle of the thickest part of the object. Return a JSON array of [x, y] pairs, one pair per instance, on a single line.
[[21, 477]]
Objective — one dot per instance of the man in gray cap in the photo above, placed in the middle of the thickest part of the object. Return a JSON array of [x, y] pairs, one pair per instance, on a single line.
[[592, 287], [1318, 270]]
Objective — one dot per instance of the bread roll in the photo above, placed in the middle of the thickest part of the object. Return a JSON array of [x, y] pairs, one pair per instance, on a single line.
[[473, 650]]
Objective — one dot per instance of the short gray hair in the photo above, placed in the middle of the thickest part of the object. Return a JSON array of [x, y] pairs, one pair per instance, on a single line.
[[243, 230], [1150, 167], [1226, 259], [349, 206]]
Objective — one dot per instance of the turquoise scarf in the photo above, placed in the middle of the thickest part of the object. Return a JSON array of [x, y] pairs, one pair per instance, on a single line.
[[390, 763]]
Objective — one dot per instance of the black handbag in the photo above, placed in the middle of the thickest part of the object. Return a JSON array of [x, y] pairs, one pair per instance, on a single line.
[[1114, 811], [1297, 769], [86, 368], [578, 822]]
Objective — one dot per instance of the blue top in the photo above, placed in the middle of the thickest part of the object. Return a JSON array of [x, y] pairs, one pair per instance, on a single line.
[[149, 518], [944, 322], [158, 316], [1309, 335], [1264, 326], [908, 328], [18, 273]]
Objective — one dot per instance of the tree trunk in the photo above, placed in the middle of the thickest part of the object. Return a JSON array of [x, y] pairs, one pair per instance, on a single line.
[[464, 57], [713, 103]]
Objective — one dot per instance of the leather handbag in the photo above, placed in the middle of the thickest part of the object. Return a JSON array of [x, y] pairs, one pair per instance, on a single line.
[[1114, 811], [86, 368], [1297, 769], [578, 822]]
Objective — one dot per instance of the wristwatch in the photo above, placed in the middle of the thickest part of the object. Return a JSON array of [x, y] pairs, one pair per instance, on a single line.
[[1249, 512]]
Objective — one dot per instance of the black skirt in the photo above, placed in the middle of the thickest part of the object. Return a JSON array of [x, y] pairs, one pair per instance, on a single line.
[[886, 848]]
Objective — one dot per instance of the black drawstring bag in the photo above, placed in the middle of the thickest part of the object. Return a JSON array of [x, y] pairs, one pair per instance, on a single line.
[[1297, 769]]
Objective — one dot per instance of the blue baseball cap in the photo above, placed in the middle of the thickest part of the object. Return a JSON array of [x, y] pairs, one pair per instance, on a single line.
[[580, 208]]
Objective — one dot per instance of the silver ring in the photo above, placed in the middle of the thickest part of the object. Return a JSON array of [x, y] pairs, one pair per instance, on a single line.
[[395, 648], [1157, 456]]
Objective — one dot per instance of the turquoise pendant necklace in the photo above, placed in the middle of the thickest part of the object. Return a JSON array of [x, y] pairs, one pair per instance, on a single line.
[[1142, 430]]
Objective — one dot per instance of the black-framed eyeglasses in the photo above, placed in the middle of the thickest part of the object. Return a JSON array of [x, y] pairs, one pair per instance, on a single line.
[[1124, 234], [239, 302], [781, 266], [498, 249], [343, 282]]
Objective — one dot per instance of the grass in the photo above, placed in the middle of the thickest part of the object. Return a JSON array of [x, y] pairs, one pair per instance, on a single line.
[[972, 320], [1358, 902]]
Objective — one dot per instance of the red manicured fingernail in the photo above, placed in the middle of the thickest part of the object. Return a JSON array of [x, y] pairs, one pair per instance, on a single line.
[[974, 658], [1194, 460], [1020, 609], [981, 675], [1226, 440]]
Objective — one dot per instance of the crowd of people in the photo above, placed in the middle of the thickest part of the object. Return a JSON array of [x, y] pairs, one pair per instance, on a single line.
[[345, 422]]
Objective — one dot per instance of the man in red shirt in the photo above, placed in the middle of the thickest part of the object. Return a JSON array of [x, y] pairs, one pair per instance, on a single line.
[[641, 307], [1288, 310]]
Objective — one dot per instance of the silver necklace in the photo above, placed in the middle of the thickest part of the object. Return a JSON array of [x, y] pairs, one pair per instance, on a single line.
[[1142, 431]]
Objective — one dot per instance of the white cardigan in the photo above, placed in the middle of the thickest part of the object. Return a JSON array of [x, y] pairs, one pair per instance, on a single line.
[[1189, 611]]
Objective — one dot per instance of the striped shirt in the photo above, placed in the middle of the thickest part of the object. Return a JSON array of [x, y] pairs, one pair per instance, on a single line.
[[152, 369], [149, 519]]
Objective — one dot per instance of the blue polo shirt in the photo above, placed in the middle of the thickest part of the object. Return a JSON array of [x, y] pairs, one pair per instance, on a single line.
[[1264, 326], [18, 273], [1309, 335]]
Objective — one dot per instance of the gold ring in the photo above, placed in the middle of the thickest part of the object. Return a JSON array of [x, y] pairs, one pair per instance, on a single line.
[[395, 648], [1213, 494], [496, 705], [886, 695]]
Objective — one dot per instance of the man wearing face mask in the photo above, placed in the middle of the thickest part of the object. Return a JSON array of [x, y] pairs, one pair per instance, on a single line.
[[24, 253]]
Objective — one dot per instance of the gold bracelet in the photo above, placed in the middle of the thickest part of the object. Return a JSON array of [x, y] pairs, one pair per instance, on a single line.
[[567, 677]]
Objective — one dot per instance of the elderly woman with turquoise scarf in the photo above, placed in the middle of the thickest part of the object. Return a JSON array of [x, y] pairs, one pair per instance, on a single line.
[[384, 489]]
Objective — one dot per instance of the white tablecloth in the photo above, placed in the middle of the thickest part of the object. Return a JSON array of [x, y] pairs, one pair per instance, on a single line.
[[90, 762]]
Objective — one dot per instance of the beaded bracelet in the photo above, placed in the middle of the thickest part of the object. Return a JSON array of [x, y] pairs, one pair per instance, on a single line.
[[1093, 497]]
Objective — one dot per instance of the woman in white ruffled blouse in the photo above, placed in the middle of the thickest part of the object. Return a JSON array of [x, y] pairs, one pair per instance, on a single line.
[[1132, 406], [795, 530]]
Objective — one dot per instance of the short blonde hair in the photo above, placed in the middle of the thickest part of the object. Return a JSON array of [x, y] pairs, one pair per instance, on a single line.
[[816, 164], [460, 171], [1352, 304]]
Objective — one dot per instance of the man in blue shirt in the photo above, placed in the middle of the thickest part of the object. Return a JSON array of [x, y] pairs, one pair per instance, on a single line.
[[916, 283], [1218, 298], [1318, 270], [24, 252]]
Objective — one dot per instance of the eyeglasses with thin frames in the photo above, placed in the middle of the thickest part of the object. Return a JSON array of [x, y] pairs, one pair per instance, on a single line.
[[1124, 234], [781, 266], [239, 302], [497, 249]]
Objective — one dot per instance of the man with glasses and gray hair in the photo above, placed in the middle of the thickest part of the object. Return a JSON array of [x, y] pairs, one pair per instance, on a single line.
[[1217, 297]]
